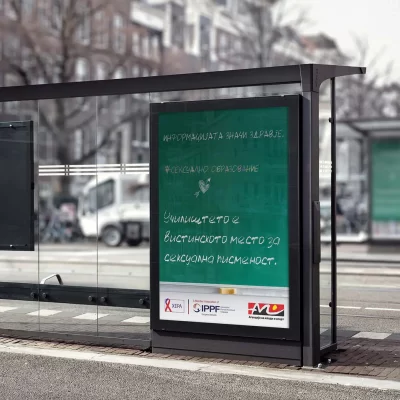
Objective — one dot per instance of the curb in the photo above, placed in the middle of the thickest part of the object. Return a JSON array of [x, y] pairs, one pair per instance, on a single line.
[[312, 375]]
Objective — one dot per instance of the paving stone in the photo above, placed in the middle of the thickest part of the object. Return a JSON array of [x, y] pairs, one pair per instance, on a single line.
[[385, 372], [395, 374]]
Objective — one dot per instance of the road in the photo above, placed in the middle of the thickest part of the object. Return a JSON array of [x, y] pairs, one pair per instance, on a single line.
[[368, 293], [31, 377]]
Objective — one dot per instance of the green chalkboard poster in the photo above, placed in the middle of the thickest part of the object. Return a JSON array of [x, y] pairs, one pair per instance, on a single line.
[[385, 188], [223, 204]]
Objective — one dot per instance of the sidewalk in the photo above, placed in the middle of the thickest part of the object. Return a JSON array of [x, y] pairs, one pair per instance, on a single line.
[[366, 357], [355, 357]]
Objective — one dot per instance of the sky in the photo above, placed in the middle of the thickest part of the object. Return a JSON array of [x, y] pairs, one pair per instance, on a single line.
[[376, 20]]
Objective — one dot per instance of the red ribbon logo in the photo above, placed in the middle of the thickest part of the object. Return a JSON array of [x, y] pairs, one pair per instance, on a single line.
[[167, 305]]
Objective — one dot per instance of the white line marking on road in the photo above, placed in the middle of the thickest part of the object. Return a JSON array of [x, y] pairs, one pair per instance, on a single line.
[[324, 306], [371, 335], [91, 316], [5, 309], [361, 285], [138, 320], [350, 307], [44, 313], [242, 370], [322, 330], [382, 309]]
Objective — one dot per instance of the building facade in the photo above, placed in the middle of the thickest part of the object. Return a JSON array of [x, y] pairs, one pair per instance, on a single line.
[[48, 42]]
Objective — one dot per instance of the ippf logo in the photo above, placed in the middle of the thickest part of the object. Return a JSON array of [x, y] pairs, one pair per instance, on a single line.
[[174, 306], [277, 310], [205, 308]]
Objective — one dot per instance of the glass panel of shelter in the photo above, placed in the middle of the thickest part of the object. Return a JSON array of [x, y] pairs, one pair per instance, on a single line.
[[326, 204], [67, 148], [123, 210]]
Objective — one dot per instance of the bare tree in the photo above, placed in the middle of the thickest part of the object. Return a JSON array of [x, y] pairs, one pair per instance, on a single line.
[[270, 23], [364, 95], [52, 41], [391, 98]]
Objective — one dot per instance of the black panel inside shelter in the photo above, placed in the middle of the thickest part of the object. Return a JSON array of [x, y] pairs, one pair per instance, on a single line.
[[16, 186]]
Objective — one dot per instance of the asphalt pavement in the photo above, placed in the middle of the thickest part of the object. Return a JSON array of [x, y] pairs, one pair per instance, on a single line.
[[31, 377]]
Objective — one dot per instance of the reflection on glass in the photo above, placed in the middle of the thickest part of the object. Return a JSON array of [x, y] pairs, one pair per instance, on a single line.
[[351, 193], [67, 157], [121, 198]]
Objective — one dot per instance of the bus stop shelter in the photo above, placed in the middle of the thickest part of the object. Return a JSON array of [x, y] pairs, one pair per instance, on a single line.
[[379, 160], [235, 244]]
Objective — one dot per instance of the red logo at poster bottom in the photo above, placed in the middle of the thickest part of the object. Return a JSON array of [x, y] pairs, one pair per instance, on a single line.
[[277, 310], [174, 306]]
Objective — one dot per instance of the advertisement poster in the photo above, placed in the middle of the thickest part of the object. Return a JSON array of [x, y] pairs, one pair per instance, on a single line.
[[223, 216]]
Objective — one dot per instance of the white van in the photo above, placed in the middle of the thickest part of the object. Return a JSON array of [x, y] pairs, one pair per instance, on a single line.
[[116, 208]]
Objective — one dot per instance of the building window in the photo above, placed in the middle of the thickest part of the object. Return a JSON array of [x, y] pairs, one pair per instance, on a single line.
[[138, 130], [136, 71], [146, 72], [238, 47], [119, 73], [136, 43], [11, 47], [146, 132], [27, 58], [100, 25], [178, 25], [145, 46], [27, 8], [205, 33], [10, 10], [101, 71], [78, 144], [83, 31], [223, 44], [43, 12], [82, 70], [136, 74], [119, 33], [118, 147], [155, 48], [11, 80], [120, 104]]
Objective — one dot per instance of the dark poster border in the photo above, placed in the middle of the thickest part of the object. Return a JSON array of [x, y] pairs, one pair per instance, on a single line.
[[292, 102]]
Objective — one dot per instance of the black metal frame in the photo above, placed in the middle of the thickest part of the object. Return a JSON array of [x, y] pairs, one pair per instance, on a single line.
[[85, 295], [292, 103], [310, 77], [310, 231], [333, 216]]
